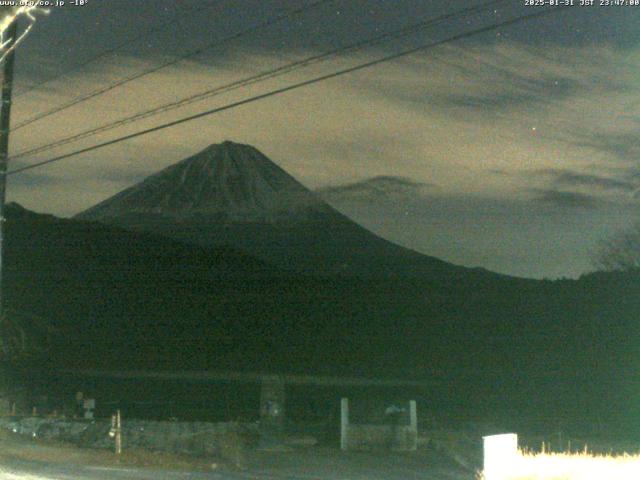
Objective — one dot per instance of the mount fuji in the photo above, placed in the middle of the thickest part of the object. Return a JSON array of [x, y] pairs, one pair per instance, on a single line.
[[232, 194]]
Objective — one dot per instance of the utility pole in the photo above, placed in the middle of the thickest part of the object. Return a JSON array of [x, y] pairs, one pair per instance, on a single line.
[[5, 116]]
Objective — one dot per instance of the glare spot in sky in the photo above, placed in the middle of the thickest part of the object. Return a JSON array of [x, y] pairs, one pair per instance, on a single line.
[[10, 14]]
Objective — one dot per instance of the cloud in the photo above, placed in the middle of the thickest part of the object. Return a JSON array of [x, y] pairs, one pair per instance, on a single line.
[[563, 177], [455, 136], [384, 187], [564, 199], [507, 77], [36, 180], [539, 233], [449, 117], [622, 145], [509, 87]]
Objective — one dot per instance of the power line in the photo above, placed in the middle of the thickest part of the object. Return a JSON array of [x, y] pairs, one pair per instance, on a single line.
[[105, 53], [259, 78], [295, 86], [254, 28]]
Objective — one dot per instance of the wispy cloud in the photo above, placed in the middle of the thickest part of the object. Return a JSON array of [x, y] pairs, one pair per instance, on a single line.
[[624, 145], [377, 188], [435, 129], [449, 117], [569, 178], [565, 199], [541, 233]]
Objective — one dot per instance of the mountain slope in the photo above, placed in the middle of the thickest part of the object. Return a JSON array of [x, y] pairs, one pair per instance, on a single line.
[[232, 194]]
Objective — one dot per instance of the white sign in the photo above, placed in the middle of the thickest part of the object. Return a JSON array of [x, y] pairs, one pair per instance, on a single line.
[[500, 456]]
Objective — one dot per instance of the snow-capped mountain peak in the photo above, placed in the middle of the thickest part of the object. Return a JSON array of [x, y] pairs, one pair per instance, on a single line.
[[228, 178]]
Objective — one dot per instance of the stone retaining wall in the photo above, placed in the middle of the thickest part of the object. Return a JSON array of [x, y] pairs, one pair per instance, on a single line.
[[192, 438]]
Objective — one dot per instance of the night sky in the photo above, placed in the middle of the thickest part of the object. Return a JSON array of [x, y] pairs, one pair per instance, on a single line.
[[515, 150]]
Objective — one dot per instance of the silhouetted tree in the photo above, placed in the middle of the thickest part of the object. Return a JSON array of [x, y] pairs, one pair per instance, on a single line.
[[620, 252]]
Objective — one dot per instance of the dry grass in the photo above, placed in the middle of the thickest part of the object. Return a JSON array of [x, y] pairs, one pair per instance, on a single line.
[[571, 466]]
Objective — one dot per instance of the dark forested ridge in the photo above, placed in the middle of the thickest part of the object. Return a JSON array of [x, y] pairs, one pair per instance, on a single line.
[[130, 300]]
